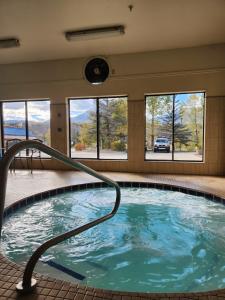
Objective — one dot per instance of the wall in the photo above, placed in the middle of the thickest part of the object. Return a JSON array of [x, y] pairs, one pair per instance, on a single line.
[[179, 70]]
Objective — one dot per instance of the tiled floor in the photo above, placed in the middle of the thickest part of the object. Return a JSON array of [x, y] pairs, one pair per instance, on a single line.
[[22, 184]]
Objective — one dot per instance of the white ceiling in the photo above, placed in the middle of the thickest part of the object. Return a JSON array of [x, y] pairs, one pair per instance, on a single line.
[[151, 25]]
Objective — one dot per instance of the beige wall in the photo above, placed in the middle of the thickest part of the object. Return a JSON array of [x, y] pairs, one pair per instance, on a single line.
[[181, 70]]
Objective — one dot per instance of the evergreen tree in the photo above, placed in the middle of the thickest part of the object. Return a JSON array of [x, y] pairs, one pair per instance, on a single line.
[[182, 134], [106, 123], [113, 122]]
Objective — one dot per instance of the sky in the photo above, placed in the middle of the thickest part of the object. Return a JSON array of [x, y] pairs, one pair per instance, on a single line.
[[38, 111], [78, 107], [181, 99]]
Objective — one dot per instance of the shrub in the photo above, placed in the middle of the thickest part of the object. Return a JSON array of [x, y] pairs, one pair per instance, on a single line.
[[79, 147], [118, 145]]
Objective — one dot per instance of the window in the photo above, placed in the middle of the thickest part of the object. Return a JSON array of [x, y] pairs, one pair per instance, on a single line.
[[38, 116], [98, 128], [25, 120], [175, 127], [83, 128]]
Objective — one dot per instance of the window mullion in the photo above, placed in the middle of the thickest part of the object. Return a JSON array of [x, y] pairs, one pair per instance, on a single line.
[[173, 134], [70, 143], [26, 126], [1, 128], [97, 127], [26, 121]]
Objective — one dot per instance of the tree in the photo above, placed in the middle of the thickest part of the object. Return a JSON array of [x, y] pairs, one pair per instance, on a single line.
[[113, 123], [47, 137], [106, 123], [88, 131], [156, 106], [85, 132], [195, 104], [182, 134]]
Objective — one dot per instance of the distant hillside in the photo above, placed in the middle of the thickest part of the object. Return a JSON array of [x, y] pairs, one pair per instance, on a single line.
[[38, 129], [84, 117]]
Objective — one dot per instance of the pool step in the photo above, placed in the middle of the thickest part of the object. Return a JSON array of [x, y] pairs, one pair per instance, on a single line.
[[96, 265], [64, 269]]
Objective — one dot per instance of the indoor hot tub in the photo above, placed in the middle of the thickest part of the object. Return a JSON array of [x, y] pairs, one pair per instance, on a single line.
[[162, 239]]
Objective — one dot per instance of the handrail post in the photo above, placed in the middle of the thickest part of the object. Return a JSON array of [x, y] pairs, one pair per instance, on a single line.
[[28, 283], [3, 185]]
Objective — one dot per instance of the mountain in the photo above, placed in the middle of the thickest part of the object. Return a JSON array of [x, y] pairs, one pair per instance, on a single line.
[[36, 129], [83, 117]]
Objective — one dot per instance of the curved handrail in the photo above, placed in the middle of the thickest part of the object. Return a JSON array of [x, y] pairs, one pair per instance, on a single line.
[[28, 283]]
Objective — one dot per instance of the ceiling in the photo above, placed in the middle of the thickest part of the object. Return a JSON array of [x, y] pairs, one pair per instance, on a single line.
[[150, 25]]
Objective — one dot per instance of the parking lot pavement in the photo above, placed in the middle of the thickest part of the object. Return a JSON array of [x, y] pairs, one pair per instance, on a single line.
[[104, 154], [108, 154], [192, 156]]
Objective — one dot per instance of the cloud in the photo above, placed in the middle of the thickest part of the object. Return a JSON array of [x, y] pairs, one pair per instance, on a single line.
[[38, 111], [11, 114], [14, 105], [79, 106]]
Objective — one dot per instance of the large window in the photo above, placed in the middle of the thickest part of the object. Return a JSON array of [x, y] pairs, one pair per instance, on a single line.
[[98, 128], [175, 127], [83, 128], [23, 120]]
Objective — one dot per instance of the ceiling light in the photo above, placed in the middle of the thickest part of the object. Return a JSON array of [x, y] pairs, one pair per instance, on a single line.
[[9, 43], [94, 33]]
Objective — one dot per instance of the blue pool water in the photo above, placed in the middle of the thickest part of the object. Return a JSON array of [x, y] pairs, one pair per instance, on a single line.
[[159, 241]]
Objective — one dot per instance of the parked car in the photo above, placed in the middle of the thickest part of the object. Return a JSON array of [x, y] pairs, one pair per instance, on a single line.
[[162, 144]]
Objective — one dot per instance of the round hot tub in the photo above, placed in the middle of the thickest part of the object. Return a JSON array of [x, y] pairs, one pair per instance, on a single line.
[[162, 239]]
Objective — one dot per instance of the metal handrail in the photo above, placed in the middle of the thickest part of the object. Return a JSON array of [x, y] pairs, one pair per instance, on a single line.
[[28, 283]]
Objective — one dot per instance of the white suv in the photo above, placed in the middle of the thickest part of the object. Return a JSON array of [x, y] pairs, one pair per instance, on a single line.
[[162, 144]]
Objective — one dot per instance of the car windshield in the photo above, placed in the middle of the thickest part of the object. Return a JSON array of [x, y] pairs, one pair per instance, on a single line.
[[161, 141]]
